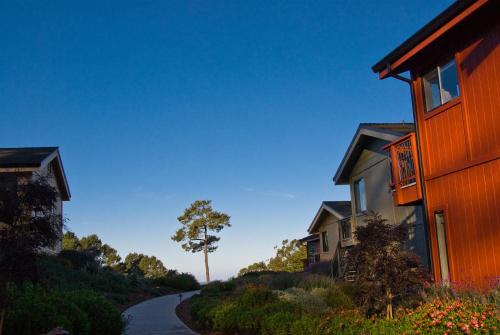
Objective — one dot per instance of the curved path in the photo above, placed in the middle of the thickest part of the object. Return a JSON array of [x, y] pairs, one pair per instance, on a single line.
[[157, 317]]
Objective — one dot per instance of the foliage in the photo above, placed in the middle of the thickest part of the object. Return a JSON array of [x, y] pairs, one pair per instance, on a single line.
[[178, 281], [255, 267], [289, 257], [91, 242], [247, 305], [70, 241], [387, 273], [109, 256], [35, 310], [198, 221], [103, 317], [28, 223], [147, 266], [218, 287]]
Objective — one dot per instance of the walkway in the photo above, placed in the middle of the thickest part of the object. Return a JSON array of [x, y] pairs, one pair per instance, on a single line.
[[157, 317]]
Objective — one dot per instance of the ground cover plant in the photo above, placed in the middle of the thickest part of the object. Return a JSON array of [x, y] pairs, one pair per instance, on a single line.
[[299, 303]]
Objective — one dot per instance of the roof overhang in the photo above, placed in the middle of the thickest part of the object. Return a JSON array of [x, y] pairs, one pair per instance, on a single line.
[[322, 211], [397, 60], [52, 158], [357, 145]]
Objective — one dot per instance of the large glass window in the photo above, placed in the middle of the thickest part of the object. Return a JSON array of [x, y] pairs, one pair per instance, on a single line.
[[439, 219], [441, 85], [359, 195], [324, 241]]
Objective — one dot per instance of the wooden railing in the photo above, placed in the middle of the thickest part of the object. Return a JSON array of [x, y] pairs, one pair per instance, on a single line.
[[405, 162], [405, 170]]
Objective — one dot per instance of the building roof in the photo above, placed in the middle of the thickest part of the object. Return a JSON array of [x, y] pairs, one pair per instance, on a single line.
[[365, 133], [32, 159], [339, 209], [309, 238], [454, 10], [24, 157]]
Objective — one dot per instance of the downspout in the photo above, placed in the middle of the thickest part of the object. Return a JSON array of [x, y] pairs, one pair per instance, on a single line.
[[420, 164]]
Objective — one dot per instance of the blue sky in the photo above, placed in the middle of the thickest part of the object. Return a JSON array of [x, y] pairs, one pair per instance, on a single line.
[[155, 104]]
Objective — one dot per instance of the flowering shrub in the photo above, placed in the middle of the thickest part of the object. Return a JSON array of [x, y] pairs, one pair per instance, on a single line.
[[454, 317]]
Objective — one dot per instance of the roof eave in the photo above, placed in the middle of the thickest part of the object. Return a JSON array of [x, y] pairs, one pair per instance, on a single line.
[[393, 62]]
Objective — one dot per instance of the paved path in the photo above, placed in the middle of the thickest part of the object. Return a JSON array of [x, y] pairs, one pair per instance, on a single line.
[[157, 317]]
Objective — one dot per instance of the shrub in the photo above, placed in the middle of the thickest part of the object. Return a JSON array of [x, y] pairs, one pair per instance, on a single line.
[[34, 311], [201, 309], [178, 281], [306, 325], [308, 302], [253, 296], [225, 317], [104, 318], [218, 287], [278, 323], [336, 298]]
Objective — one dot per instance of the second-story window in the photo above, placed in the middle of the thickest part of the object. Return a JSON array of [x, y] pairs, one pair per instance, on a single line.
[[345, 226], [324, 241], [441, 85], [360, 196]]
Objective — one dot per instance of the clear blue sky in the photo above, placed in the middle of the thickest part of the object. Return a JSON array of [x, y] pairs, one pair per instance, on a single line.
[[156, 104]]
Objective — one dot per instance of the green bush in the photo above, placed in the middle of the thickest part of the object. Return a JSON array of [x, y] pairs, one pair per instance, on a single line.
[[178, 281], [305, 300], [278, 323], [336, 298], [306, 325], [218, 287], [201, 309], [33, 311], [226, 317], [253, 296], [104, 318]]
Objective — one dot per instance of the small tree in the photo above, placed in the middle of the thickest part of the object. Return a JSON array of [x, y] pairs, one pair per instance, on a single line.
[[197, 222], [289, 257], [147, 266], [28, 223], [386, 272], [70, 241], [109, 256], [255, 267]]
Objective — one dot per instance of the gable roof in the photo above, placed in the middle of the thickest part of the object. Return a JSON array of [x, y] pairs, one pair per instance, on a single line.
[[32, 159], [451, 15], [24, 157], [364, 134], [339, 209]]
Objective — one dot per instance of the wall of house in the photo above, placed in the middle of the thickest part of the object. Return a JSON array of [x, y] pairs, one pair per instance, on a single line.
[[460, 145], [330, 224], [48, 172], [374, 166]]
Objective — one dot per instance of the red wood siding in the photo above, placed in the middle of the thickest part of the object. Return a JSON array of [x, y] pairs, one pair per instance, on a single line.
[[460, 146]]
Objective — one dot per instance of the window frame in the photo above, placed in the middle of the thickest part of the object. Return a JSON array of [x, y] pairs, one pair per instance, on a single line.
[[324, 241], [450, 102], [448, 245], [357, 196], [342, 230]]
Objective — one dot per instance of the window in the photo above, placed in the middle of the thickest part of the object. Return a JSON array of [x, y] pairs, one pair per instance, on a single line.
[[324, 241], [441, 85], [439, 219], [359, 195], [346, 230]]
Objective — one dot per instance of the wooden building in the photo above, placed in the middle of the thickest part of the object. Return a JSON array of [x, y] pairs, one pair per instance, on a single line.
[[451, 164]]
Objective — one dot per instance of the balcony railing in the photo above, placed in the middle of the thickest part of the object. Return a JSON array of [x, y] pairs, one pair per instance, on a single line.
[[405, 162], [405, 171]]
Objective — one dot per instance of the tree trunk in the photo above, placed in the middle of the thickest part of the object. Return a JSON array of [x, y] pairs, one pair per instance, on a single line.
[[205, 250], [389, 296]]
